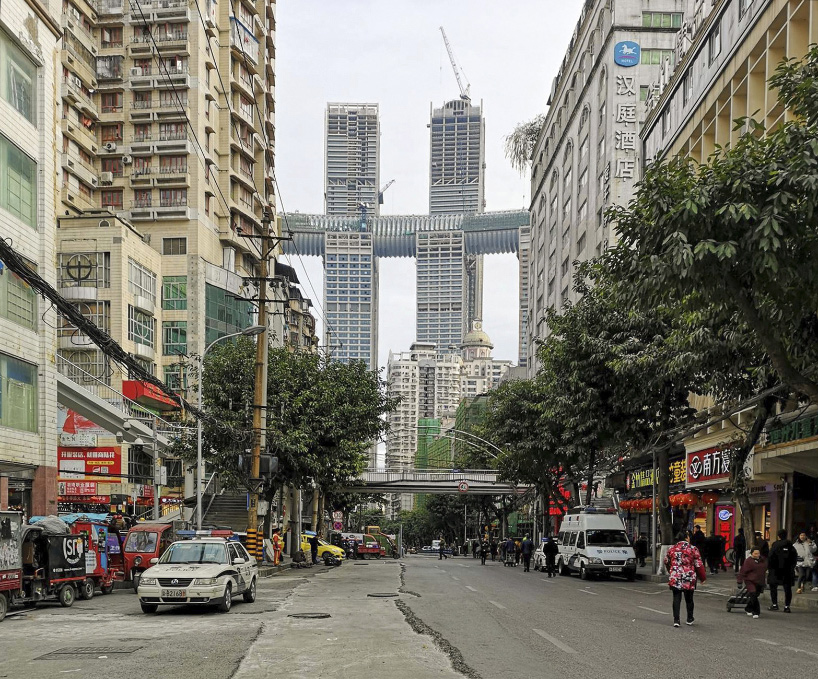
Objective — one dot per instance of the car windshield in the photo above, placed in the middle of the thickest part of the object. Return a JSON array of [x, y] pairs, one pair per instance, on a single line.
[[195, 552], [141, 541], [608, 537]]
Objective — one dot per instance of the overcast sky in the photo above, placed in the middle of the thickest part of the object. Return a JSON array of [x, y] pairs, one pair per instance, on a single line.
[[391, 52]]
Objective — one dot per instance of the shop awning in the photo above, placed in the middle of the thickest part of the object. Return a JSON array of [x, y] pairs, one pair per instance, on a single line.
[[148, 395], [787, 458]]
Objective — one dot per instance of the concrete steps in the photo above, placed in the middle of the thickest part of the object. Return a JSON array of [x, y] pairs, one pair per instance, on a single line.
[[228, 510]]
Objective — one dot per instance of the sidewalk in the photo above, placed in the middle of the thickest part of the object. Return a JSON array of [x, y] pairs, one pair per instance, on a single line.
[[364, 635], [724, 584]]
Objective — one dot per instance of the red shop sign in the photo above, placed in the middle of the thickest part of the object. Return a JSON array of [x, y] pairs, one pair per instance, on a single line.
[[708, 467]]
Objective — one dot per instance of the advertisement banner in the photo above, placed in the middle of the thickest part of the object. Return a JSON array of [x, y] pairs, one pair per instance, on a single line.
[[66, 556], [90, 464], [708, 467], [74, 424], [77, 488]]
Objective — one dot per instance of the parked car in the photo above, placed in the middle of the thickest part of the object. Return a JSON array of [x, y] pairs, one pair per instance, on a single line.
[[324, 547], [594, 542], [204, 571]]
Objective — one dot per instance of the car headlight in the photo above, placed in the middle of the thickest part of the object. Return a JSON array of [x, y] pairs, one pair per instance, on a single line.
[[206, 581], [630, 562], [147, 581], [594, 559]]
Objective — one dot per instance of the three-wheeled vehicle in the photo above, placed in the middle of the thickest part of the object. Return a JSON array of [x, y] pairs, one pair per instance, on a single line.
[[101, 568], [388, 546], [39, 564], [145, 541]]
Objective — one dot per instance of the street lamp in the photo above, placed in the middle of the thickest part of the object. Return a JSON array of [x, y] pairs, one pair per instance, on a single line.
[[247, 332]]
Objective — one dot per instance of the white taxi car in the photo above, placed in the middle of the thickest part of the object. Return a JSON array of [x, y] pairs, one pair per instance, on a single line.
[[206, 571]]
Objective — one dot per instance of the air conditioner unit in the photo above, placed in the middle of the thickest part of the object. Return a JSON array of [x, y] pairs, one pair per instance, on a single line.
[[126, 160], [136, 72], [106, 177], [110, 146]]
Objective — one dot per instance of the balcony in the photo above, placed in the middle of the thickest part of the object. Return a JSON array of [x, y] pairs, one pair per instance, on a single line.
[[173, 78], [141, 45], [173, 42], [76, 200], [142, 178], [79, 167], [110, 10], [243, 41], [173, 176], [173, 147], [80, 134], [79, 293], [141, 210]]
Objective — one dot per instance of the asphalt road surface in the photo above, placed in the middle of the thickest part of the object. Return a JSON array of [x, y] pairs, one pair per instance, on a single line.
[[411, 620]]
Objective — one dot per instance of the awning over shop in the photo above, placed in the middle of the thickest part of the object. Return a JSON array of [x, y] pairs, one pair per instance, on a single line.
[[787, 458], [148, 395]]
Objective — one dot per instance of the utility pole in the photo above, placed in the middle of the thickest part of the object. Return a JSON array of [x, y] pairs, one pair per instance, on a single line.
[[260, 392]]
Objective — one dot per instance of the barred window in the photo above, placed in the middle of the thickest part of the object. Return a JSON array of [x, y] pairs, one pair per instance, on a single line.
[[18, 303], [141, 327], [141, 280]]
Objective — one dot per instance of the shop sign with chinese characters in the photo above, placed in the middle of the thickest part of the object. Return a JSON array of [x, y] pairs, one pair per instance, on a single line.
[[708, 467], [643, 478], [625, 135], [805, 428]]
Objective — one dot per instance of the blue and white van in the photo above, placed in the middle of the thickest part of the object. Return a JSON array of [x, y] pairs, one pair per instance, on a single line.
[[594, 542]]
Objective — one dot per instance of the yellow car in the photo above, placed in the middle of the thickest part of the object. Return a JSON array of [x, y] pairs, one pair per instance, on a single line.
[[324, 547]]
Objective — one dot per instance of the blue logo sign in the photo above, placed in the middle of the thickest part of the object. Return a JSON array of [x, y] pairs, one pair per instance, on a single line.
[[626, 53], [725, 514]]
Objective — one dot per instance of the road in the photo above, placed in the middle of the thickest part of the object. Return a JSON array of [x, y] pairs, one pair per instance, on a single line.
[[445, 619]]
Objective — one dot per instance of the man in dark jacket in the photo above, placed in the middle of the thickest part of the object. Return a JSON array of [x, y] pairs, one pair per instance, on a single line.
[[314, 549], [763, 545], [493, 549], [751, 576], [484, 550], [551, 550], [698, 540], [713, 552], [640, 549], [739, 550], [781, 567], [526, 547]]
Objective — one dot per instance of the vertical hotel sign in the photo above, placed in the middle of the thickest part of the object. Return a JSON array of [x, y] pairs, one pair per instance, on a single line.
[[626, 54]]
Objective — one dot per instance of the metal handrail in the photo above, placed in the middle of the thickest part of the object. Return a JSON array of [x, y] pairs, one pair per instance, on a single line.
[[212, 496]]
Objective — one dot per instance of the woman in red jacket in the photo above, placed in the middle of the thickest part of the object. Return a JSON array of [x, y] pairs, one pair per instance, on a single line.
[[684, 564], [751, 576]]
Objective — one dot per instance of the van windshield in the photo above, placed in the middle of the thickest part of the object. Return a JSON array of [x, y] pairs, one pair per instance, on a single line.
[[608, 537]]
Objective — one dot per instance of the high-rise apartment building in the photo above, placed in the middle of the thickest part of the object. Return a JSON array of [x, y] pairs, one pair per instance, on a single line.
[[587, 156], [352, 161], [29, 35], [168, 123]]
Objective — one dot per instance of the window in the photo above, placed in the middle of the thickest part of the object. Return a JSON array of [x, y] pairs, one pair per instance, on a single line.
[[566, 210], [172, 131], [566, 182], [112, 37], [565, 266], [224, 313], [96, 312], [172, 99], [175, 377], [110, 132], [655, 57], [583, 148], [172, 164], [141, 281], [18, 394], [141, 132], [174, 338], [174, 246], [687, 88], [111, 199], [111, 102], [173, 197], [84, 270], [583, 211], [714, 43], [581, 244], [174, 293], [246, 107], [662, 19], [141, 165], [603, 109], [112, 165], [601, 151], [18, 78], [743, 6], [581, 541], [18, 303], [18, 183], [141, 327], [583, 179], [644, 91]]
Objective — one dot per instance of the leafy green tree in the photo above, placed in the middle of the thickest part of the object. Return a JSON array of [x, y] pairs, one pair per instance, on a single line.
[[519, 145]]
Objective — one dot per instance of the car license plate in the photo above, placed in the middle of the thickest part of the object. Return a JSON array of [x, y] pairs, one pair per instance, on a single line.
[[615, 569], [174, 593]]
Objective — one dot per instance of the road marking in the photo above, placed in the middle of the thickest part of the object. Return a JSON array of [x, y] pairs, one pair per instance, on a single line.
[[462, 566], [800, 650], [641, 591], [471, 588], [767, 641], [500, 606], [556, 642], [546, 579], [454, 577], [585, 591], [653, 610]]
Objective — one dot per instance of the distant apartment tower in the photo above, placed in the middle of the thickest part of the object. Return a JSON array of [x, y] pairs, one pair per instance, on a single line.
[[352, 161], [450, 282]]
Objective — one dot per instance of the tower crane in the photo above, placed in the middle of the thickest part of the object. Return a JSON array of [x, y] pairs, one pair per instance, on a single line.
[[383, 190], [458, 72]]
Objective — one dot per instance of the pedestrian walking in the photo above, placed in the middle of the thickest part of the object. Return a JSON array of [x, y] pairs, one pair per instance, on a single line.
[[314, 549], [526, 547], [805, 550], [739, 550], [517, 551], [751, 576], [781, 570], [493, 549], [551, 550], [712, 552], [640, 549], [685, 567], [484, 551], [698, 539], [441, 550]]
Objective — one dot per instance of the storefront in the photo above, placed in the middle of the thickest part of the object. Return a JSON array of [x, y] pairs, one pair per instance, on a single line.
[[708, 472]]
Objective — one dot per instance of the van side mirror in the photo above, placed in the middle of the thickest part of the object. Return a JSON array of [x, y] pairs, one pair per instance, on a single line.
[[238, 562]]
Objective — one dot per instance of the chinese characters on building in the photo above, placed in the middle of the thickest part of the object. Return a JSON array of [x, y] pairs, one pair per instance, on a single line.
[[625, 132]]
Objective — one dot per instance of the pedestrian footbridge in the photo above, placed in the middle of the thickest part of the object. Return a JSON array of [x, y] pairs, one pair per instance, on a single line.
[[434, 481]]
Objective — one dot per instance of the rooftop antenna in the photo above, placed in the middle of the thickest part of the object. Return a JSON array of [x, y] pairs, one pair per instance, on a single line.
[[458, 72]]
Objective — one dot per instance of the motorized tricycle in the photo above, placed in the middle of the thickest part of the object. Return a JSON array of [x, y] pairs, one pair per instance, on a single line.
[[144, 542], [36, 565]]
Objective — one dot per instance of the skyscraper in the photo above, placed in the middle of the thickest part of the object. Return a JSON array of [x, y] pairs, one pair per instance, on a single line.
[[450, 282], [352, 162], [352, 165]]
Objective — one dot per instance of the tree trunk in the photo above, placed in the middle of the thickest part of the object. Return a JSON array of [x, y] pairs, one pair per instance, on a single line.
[[663, 496]]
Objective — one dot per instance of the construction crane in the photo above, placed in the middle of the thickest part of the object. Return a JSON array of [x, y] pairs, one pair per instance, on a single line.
[[458, 72], [383, 190]]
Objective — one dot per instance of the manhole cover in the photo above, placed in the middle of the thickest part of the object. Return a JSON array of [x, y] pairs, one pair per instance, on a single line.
[[382, 595], [309, 616], [90, 652]]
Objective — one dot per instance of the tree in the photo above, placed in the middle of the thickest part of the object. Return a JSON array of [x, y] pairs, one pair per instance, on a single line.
[[519, 145], [321, 416], [738, 235]]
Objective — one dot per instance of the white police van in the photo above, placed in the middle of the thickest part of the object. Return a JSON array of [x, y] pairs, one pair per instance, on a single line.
[[593, 542]]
